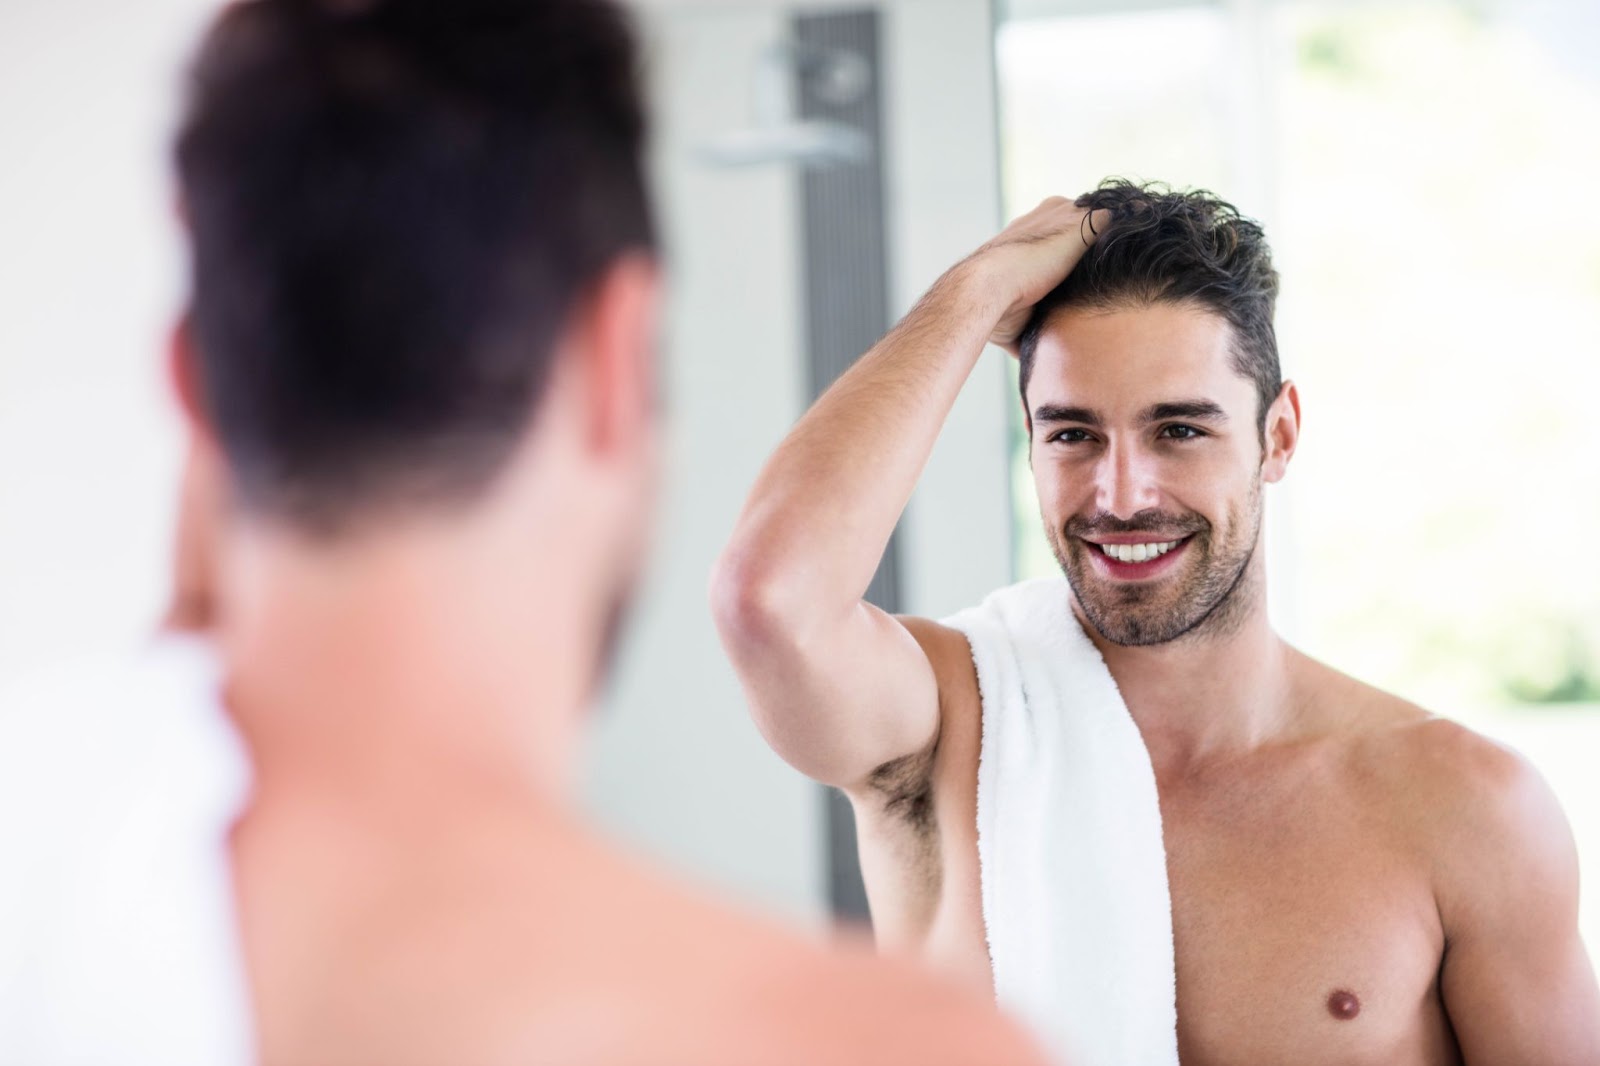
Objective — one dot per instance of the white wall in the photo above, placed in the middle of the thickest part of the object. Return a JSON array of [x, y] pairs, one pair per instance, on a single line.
[[90, 275]]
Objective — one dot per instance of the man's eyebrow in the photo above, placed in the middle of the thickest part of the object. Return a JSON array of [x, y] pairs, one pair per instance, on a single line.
[[1199, 410], [1051, 412]]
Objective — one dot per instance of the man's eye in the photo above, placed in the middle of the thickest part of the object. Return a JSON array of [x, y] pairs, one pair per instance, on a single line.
[[1181, 432], [1070, 436]]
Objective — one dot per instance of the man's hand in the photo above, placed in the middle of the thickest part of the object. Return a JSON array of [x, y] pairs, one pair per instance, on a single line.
[[1032, 256]]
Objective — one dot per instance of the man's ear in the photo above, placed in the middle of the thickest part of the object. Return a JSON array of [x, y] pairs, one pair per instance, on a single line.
[[1027, 428], [202, 495], [617, 335], [1282, 433], [202, 503], [183, 375]]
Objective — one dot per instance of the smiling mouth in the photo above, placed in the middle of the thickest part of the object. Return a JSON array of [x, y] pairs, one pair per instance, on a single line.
[[1138, 553]]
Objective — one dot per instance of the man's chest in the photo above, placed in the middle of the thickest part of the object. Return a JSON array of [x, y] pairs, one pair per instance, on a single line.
[[1305, 929]]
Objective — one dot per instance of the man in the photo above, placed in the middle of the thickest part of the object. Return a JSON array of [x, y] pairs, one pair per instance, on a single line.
[[418, 365], [1351, 878]]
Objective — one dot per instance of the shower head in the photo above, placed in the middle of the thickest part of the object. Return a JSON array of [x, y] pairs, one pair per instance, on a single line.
[[832, 76]]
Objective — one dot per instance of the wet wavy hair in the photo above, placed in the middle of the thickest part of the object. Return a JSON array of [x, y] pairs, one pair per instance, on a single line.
[[1166, 246]]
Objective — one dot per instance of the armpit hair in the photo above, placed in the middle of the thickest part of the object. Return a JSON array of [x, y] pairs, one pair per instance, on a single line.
[[906, 786]]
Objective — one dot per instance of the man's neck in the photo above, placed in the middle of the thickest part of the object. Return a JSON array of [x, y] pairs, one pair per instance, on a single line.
[[404, 668], [1220, 691]]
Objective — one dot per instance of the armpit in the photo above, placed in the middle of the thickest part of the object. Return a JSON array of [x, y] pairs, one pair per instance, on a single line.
[[905, 788]]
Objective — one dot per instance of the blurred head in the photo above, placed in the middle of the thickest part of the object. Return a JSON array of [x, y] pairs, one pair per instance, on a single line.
[[1156, 410], [423, 275]]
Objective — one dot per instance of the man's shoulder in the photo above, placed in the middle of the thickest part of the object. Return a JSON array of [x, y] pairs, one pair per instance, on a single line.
[[1491, 828], [1481, 800], [1465, 798], [680, 976], [946, 647], [770, 993], [1442, 762], [1038, 607], [848, 1005]]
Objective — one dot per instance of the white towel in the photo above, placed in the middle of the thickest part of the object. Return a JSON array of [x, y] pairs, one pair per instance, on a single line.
[[119, 783], [1073, 865]]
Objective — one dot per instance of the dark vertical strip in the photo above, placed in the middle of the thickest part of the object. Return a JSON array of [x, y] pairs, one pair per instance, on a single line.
[[847, 310]]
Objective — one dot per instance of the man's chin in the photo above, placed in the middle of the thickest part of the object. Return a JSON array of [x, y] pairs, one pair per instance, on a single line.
[[1129, 632], [1147, 624], [1123, 615]]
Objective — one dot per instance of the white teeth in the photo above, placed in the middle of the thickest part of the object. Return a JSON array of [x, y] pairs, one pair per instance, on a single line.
[[1138, 553]]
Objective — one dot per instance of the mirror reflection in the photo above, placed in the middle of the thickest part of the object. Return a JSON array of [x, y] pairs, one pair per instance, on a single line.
[[1036, 501]]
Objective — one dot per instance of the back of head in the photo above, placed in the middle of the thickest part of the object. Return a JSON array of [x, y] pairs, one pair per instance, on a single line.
[[1180, 247], [394, 206]]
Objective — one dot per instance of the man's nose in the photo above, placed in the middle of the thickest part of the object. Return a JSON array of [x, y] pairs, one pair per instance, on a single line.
[[1125, 481]]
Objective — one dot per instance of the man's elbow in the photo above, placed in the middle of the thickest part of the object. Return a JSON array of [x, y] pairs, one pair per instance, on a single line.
[[760, 624], [753, 606]]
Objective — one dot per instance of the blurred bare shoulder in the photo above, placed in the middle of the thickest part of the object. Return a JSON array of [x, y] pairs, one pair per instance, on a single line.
[[849, 1006], [567, 950], [768, 994]]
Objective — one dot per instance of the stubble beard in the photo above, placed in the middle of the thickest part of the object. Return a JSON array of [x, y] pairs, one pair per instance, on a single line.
[[1210, 599]]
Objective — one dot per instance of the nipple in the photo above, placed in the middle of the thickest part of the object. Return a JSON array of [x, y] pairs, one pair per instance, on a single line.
[[1343, 1005]]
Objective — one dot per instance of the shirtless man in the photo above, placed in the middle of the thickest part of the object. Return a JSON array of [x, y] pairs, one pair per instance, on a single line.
[[1352, 879], [418, 366]]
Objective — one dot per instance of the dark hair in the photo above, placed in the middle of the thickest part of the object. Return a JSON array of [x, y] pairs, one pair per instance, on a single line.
[[1180, 247], [394, 206]]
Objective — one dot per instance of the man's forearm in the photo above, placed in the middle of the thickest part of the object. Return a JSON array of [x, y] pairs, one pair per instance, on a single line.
[[824, 507], [837, 687]]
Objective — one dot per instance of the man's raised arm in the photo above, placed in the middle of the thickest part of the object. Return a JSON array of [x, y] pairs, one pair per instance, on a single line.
[[837, 686]]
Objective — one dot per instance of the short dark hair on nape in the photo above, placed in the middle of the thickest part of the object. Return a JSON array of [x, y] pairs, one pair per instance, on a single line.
[[1172, 246], [394, 206]]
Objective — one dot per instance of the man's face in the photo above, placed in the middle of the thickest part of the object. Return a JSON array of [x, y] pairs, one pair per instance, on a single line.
[[1148, 464]]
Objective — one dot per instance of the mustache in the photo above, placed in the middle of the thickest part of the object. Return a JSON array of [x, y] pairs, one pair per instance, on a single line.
[[1160, 523]]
